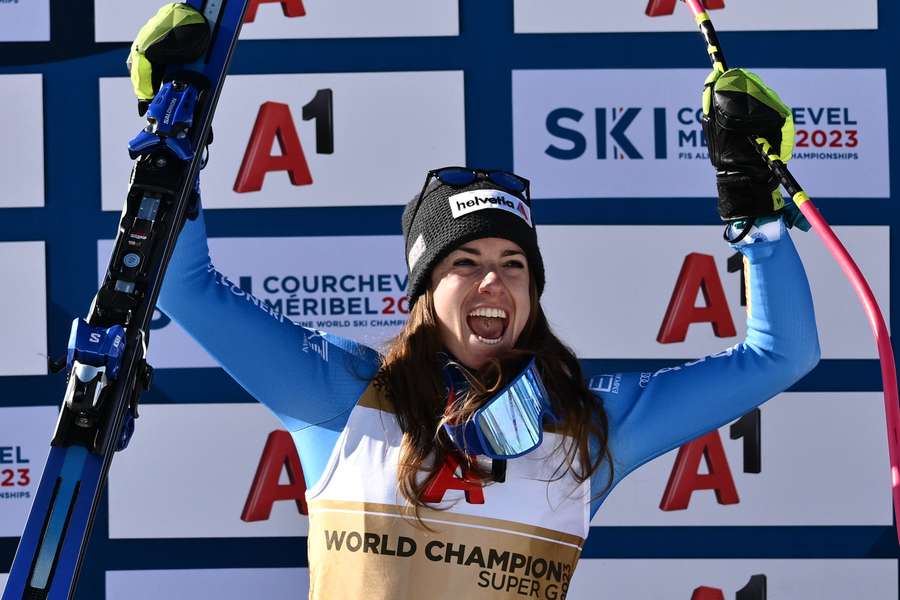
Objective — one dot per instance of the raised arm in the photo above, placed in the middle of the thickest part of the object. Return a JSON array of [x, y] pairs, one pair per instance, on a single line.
[[652, 413], [309, 379]]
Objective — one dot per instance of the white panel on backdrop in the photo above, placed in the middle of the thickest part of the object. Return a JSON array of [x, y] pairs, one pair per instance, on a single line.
[[24, 444], [806, 579], [636, 133], [388, 130], [189, 471], [807, 478], [272, 19], [24, 21], [23, 309], [610, 286], [22, 121], [364, 300], [221, 584], [570, 16]]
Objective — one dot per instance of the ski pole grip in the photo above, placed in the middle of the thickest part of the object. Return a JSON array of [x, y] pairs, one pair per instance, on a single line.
[[717, 57]]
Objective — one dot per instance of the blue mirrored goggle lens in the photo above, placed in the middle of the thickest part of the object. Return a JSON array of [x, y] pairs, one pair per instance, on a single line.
[[454, 176], [511, 424], [507, 181], [461, 176]]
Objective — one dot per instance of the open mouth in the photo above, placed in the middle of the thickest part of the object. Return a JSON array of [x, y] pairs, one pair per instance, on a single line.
[[488, 324]]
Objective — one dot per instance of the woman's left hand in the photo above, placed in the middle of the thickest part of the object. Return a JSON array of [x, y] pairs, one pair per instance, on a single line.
[[738, 106]]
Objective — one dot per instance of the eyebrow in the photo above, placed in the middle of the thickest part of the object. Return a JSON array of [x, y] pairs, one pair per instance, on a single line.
[[476, 252]]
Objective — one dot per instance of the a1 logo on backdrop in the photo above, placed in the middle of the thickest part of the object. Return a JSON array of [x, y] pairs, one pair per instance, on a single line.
[[309, 140], [265, 19], [274, 122], [700, 277], [290, 8], [660, 8], [279, 456], [754, 590], [686, 478], [686, 475]]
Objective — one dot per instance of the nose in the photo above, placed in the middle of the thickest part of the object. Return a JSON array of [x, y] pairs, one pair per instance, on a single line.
[[490, 283]]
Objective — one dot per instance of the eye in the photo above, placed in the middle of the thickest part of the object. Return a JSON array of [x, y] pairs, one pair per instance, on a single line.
[[514, 264], [463, 262]]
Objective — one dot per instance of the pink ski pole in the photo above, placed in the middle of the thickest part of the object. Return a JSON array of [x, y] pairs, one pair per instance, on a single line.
[[843, 258]]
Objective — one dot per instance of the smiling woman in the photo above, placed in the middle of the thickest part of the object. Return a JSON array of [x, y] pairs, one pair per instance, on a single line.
[[374, 431], [468, 459], [476, 275], [481, 298]]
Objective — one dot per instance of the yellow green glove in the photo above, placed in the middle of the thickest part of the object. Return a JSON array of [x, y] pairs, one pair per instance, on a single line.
[[177, 34], [737, 105]]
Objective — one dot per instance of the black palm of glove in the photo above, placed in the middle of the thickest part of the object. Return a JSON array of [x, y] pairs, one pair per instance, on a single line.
[[737, 105], [177, 34]]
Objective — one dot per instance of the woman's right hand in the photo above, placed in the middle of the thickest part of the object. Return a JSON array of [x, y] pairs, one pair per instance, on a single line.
[[177, 34]]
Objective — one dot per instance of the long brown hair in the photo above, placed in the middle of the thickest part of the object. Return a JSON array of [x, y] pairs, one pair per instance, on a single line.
[[411, 376]]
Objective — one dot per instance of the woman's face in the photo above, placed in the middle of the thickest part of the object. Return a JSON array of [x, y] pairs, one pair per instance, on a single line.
[[481, 297]]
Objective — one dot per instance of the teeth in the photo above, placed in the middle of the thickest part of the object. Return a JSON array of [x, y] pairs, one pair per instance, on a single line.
[[496, 313], [487, 341]]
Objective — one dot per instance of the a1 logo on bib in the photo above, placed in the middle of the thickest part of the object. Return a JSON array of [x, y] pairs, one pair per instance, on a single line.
[[475, 200]]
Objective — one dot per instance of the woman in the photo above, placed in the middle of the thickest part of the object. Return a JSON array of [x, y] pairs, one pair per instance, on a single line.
[[400, 506]]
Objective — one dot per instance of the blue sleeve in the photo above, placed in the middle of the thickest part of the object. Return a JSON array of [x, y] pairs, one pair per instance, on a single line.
[[309, 379], [652, 413]]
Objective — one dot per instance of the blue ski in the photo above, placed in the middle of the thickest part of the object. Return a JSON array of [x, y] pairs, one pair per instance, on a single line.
[[107, 369]]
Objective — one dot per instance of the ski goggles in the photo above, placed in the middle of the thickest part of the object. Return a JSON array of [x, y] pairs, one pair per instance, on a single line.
[[463, 176], [510, 424]]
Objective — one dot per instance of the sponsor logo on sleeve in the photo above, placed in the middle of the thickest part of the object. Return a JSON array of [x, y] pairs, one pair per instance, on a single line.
[[605, 383], [316, 343], [475, 200]]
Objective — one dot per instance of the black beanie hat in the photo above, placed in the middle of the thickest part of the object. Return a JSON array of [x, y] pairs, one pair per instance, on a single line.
[[449, 216]]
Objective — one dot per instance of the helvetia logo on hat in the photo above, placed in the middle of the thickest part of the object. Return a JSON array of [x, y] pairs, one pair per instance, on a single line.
[[475, 200]]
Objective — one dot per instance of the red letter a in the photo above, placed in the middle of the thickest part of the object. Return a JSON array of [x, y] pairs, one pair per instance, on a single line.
[[698, 272], [659, 8], [279, 453], [446, 479], [290, 8], [685, 479], [707, 593], [273, 122]]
